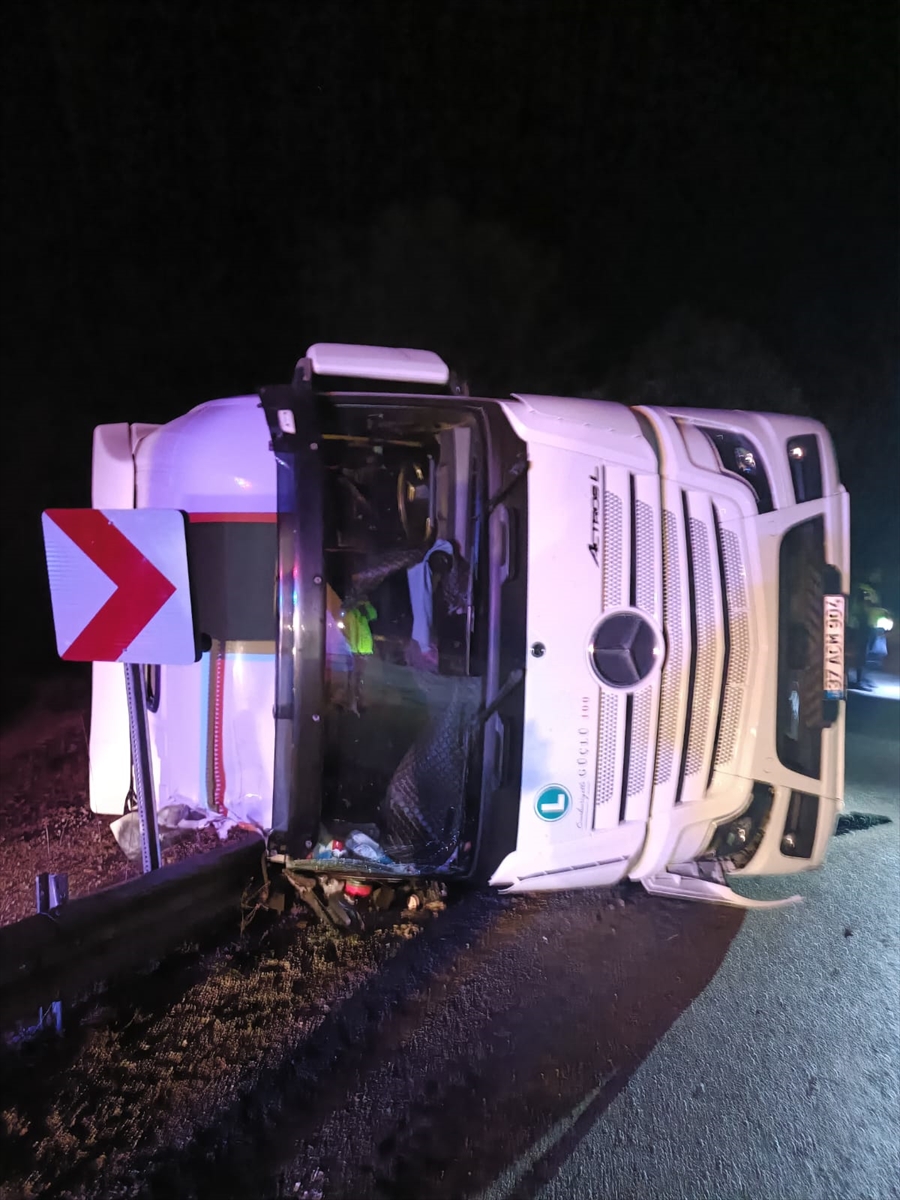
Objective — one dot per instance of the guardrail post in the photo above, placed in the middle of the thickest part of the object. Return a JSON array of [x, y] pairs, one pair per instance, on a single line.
[[50, 891], [136, 687]]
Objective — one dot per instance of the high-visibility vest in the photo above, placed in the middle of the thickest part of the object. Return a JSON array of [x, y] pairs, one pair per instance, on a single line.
[[356, 628]]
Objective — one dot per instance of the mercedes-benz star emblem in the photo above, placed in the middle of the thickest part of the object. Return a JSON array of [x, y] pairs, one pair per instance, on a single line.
[[625, 649]]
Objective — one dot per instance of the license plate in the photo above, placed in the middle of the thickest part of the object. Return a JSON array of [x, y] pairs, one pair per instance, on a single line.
[[834, 648]]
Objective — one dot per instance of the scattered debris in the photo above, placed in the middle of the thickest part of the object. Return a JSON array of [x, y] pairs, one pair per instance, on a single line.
[[342, 912], [363, 846], [271, 894], [275, 900], [305, 887], [355, 904], [176, 822], [311, 1189], [358, 890], [127, 832], [330, 848], [852, 822]]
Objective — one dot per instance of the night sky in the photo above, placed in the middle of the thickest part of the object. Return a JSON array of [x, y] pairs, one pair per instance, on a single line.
[[192, 193]]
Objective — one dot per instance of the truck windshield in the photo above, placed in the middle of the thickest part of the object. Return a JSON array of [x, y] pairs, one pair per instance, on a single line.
[[403, 669]]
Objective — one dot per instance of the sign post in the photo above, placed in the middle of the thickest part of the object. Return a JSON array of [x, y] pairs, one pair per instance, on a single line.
[[120, 591], [136, 690]]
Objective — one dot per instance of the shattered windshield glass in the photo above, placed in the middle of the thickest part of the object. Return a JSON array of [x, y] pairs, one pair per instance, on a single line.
[[403, 678]]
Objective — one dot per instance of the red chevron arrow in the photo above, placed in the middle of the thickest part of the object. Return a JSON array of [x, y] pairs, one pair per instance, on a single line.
[[141, 589]]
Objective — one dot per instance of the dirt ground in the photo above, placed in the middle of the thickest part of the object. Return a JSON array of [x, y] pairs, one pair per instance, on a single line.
[[45, 821]]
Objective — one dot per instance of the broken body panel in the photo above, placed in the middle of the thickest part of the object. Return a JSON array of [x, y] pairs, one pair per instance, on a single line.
[[543, 641]]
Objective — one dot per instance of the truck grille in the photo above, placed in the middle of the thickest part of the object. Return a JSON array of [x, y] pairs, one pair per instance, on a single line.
[[706, 618], [673, 561]]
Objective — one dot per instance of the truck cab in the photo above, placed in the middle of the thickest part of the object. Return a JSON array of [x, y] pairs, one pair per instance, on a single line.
[[537, 641]]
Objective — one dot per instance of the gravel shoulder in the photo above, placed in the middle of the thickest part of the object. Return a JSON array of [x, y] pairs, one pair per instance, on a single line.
[[45, 822]]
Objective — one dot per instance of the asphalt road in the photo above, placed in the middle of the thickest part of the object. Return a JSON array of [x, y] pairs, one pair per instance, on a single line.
[[781, 1081]]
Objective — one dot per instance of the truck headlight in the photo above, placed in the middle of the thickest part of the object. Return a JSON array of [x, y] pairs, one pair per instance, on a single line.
[[745, 460], [739, 456]]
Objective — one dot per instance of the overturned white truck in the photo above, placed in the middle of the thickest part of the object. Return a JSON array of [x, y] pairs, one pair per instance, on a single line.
[[540, 642]]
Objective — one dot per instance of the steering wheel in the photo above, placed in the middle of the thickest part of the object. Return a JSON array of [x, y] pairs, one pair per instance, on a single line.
[[414, 502]]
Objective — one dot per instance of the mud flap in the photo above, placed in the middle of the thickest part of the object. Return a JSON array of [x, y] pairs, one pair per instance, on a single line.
[[706, 881]]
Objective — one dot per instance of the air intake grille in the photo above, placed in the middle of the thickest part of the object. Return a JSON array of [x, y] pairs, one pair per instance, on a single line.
[[612, 551], [739, 656], [607, 749], [644, 567], [640, 742], [704, 606], [671, 676]]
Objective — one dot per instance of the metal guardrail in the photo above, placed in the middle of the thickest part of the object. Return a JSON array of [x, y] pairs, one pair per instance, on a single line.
[[62, 954]]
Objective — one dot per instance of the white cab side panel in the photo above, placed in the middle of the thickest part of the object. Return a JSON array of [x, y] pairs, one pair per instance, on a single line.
[[611, 431], [215, 461]]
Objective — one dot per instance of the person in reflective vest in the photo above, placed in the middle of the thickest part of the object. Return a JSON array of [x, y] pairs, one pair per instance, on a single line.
[[863, 611]]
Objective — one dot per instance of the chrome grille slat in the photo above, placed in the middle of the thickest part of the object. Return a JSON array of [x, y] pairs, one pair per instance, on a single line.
[[705, 618], [612, 551], [671, 675], [697, 642], [644, 567], [641, 746], [607, 752], [739, 652], [612, 725]]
